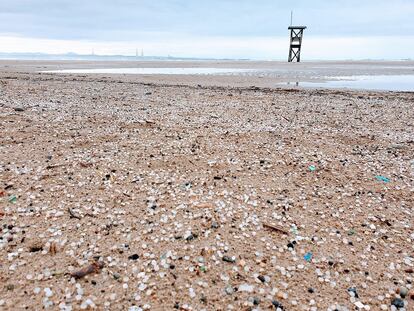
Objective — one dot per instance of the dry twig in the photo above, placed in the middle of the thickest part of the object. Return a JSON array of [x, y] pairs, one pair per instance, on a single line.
[[92, 268], [276, 228]]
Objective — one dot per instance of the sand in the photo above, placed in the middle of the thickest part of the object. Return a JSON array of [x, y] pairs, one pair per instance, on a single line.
[[202, 193]]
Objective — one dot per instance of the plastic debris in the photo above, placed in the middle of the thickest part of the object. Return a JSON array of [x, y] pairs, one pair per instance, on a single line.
[[246, 288], [383, 178], [351, 232], [312, 168], [308, 256], [163, 205], [13, 199]]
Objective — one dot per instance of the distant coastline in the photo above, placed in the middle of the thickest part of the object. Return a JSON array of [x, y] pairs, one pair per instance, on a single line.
[[94, 57]]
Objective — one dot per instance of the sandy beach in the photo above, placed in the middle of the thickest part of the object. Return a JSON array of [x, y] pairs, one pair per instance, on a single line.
[[121, 192]]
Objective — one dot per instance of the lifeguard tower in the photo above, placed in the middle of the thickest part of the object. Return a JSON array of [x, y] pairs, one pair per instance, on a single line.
[[296, 35]]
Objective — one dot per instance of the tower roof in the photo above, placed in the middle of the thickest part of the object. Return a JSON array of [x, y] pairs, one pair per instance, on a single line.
[[297, 27]]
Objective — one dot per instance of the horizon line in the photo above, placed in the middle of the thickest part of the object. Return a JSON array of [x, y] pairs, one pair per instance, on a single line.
[[28, 55]]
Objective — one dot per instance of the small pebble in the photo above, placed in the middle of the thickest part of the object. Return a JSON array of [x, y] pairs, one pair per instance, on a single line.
[[403, 292], [229, 259], [398, 303], [278, 306], [133, 257]]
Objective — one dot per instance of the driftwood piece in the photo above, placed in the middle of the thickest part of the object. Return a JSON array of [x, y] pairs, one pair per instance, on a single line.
[[92, 268], [275, 228], [49, 167]]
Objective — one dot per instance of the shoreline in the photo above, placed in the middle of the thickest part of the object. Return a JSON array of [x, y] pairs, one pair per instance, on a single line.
[[262, 74]]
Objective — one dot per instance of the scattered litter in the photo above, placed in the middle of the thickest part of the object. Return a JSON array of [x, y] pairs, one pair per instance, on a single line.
[[308, 256], [246, 288], [382, 178], [92, 268], [13, 199], [219, 205]]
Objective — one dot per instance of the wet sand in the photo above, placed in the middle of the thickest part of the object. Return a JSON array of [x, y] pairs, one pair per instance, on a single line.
[[202, 193], [280, 72]]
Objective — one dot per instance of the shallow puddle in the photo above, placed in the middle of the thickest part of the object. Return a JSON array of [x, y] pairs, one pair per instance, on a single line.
[[356, 82], [378, 82]]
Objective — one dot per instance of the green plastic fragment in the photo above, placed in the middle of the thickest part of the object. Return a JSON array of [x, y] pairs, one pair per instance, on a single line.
[[13, 199]]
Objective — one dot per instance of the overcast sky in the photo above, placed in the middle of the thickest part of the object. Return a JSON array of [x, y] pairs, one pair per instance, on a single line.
[[350, 29]]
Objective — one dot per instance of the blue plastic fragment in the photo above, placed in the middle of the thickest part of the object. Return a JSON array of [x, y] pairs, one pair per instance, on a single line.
[[308, 256], [382, 178]]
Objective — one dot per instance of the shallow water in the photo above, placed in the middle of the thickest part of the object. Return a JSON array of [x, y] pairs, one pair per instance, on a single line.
[[157, 71], [377, 82], [357, 82]]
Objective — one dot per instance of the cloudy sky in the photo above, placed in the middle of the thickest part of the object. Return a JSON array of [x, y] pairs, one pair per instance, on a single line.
[[257, 29]]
